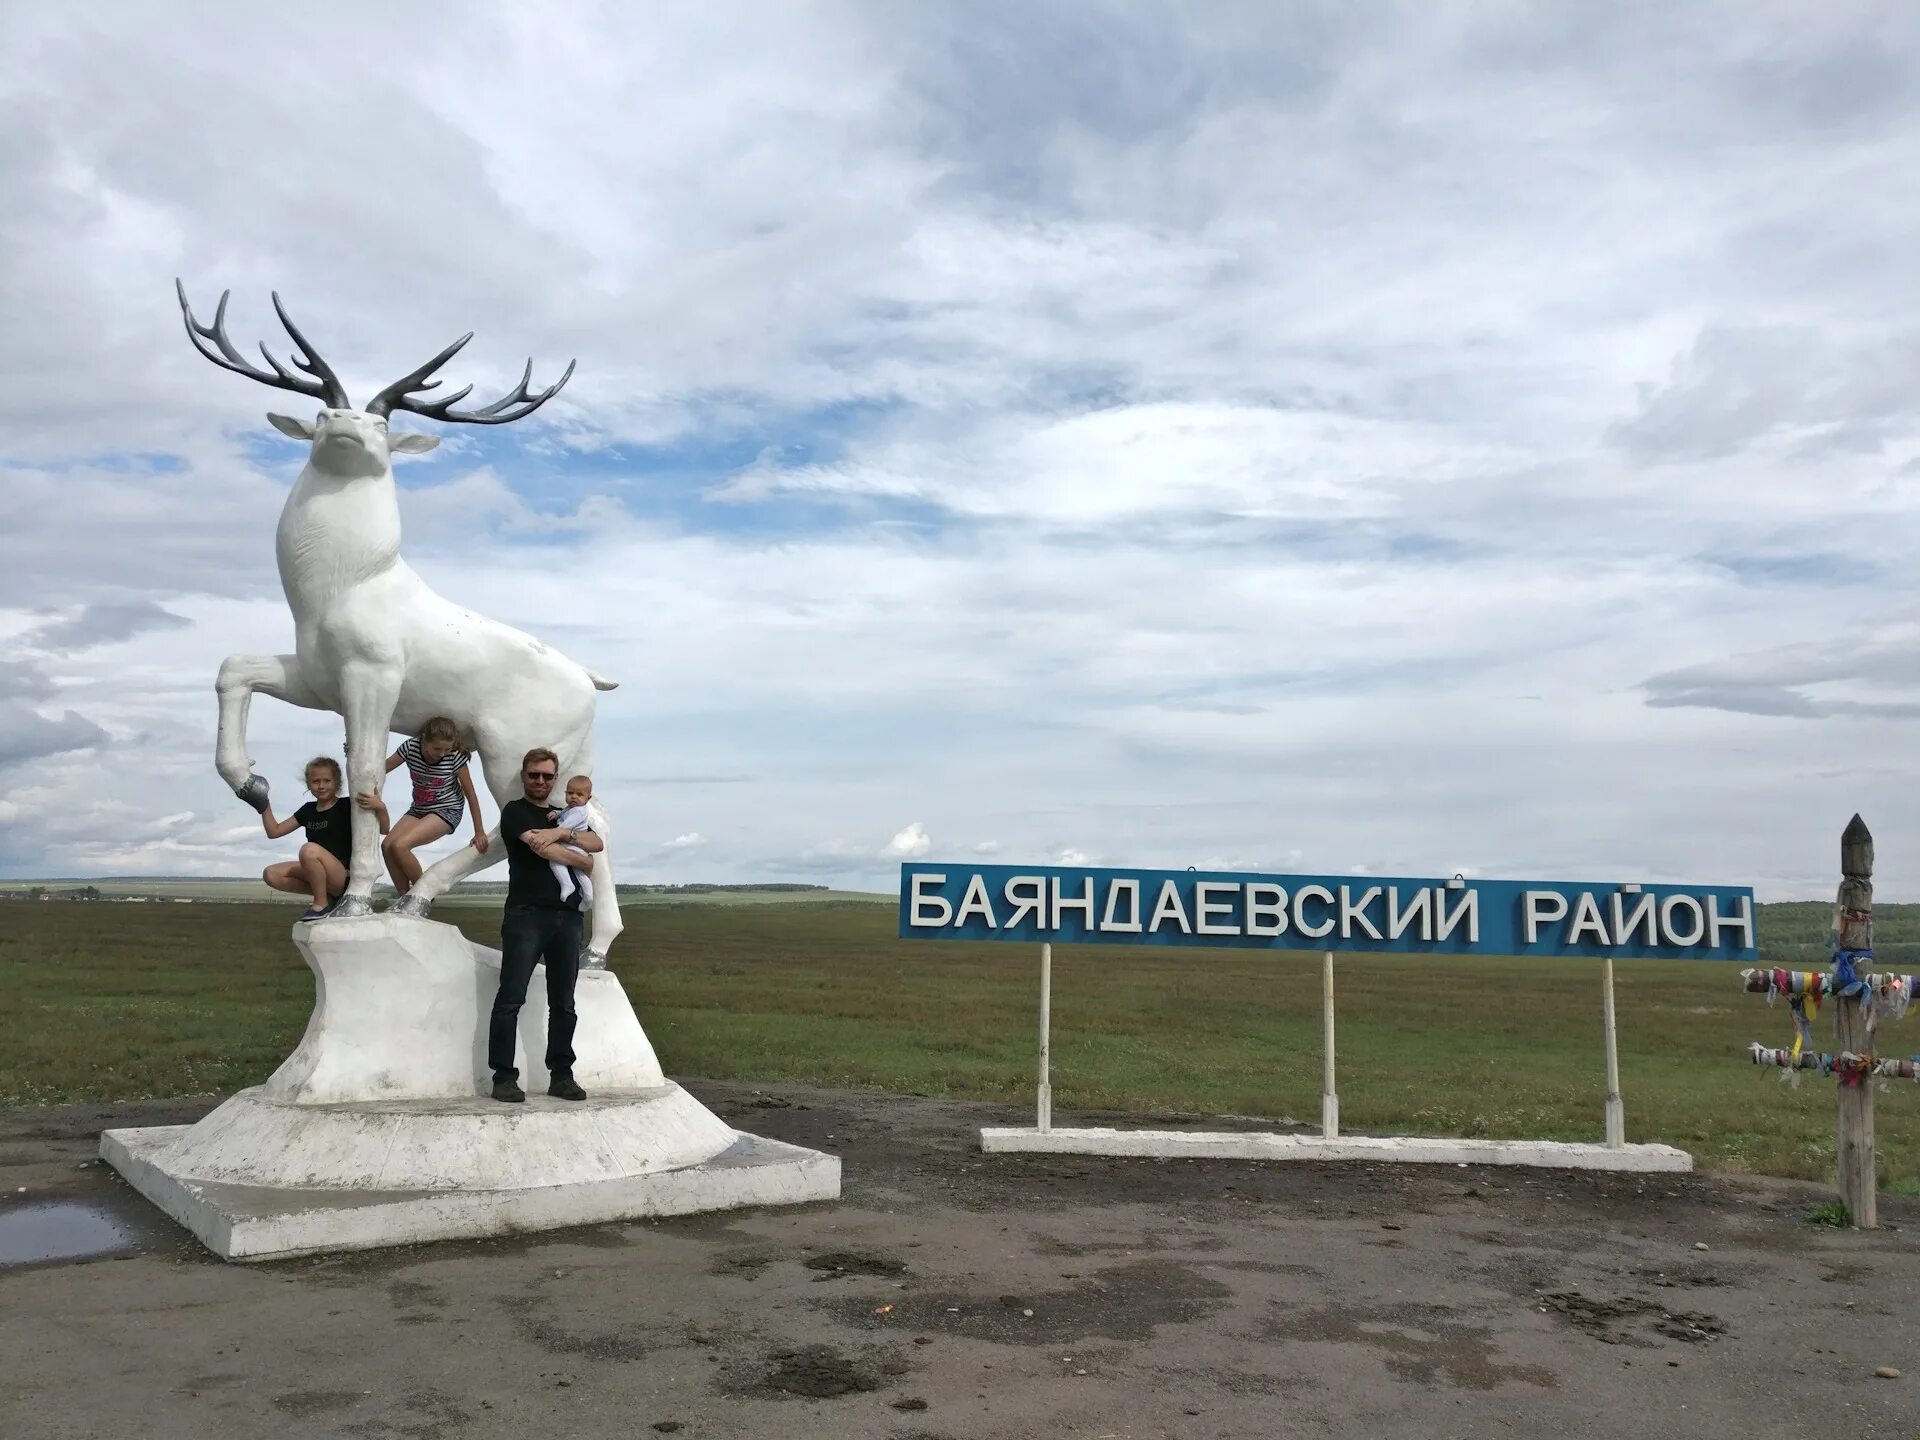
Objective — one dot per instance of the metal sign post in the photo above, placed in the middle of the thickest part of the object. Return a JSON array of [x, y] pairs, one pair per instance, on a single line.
[[1329, 1093], [1616, 1110], [1043, 1101]]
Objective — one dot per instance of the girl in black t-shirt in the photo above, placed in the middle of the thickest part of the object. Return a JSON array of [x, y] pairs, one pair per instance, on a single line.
[[321, 871]]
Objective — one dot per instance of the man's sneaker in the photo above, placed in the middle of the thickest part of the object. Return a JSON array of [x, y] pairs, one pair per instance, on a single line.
[[563, 1087], [509, 1091]]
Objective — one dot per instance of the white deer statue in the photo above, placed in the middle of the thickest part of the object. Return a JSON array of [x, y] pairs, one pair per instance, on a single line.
[[374, 644]]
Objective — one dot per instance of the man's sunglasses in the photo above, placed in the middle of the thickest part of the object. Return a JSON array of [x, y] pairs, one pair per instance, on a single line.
[[540, 774]]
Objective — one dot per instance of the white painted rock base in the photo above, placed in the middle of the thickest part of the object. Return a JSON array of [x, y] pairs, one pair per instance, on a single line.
[[378, 1129], [264, 1222], [1409, 1149]]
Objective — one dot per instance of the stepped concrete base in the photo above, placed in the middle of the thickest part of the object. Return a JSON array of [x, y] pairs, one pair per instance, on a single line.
[[1399, 1150], [259, 1222], [377, 1130]]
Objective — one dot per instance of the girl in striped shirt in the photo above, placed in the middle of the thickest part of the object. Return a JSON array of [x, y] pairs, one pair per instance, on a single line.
[[436, 762]]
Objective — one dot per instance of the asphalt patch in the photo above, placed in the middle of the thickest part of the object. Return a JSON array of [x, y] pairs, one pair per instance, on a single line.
[[1614, 1322]]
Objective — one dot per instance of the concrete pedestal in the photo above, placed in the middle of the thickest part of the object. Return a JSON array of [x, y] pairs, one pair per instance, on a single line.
[[375, 1131]]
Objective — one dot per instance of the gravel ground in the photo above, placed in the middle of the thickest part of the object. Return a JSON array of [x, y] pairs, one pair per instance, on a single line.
[[952, 1294]]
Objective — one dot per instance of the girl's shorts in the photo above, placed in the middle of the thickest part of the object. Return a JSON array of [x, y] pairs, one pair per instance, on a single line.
[[449, 813]]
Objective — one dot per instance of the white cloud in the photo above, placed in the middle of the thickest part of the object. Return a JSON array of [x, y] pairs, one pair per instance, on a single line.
[[692, 840], [910, 844]]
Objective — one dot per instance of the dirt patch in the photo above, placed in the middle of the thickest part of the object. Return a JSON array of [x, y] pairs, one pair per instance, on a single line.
[[306, 1404], [1683, 1277], [835, 1263], [635, 1343], [1125, 1302], [746, 1266], [818, 1372], [1427, 1344], [1623, 1321]]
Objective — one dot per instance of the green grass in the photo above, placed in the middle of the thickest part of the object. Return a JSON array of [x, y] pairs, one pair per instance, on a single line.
[[108, 1002]]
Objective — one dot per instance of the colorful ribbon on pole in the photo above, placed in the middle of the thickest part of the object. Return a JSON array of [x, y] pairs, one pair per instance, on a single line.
[[1804, 990]]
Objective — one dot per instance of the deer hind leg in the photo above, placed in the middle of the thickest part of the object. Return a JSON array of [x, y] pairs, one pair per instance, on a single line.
[[241, 677], [445, 873], [368, 691], [607, 923]]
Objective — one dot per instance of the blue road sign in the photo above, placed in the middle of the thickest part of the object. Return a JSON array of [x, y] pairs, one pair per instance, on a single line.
[[1069, 906]]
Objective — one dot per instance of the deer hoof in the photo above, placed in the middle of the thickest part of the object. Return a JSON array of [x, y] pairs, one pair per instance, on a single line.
[[417, 906], [592, 960], [351, 906], [254, 792]]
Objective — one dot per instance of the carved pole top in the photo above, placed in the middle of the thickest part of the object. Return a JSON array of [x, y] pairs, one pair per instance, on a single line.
[[1856, 849]]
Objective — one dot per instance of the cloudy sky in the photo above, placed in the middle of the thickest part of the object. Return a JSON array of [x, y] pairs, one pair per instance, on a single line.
[[1388, 439]]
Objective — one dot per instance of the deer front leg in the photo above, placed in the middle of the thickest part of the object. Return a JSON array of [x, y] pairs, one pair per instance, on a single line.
[[368, 692], [240, 677]]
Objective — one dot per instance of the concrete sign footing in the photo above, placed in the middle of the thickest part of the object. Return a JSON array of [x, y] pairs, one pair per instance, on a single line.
[[1382, 1149]]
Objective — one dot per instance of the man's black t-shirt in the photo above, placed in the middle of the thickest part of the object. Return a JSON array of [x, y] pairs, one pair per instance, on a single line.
[[529, 880], [331, 828]]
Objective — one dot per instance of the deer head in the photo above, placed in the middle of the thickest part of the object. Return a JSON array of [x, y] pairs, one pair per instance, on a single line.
[[347, 442]]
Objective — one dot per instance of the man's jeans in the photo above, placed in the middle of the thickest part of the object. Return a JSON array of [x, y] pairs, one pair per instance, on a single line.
[[529, 937]]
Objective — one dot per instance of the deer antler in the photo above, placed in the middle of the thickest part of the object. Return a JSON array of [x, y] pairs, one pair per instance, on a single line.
[[514, 405], [325, 385]]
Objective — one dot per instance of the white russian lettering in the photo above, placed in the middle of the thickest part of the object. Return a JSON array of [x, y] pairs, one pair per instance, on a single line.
[[1266, 908], [1168, 907], [1352, 914], [1672, 932], [1400, 921], [1084, 905], [1541, 906], [1300, 897], [1642, 918], [1205, 907], [917, 915], [1587, 916], [1129, 926], [1034, 904], [1468, 909], [976, 902], [1741, 921]]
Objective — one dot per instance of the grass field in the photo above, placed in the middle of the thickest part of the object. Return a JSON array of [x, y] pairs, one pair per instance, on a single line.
[[110, 1002]]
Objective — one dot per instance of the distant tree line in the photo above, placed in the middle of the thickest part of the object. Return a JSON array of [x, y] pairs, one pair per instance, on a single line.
[[47, 892]]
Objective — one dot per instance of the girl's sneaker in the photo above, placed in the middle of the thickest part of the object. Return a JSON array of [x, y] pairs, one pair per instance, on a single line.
[[316, 912]]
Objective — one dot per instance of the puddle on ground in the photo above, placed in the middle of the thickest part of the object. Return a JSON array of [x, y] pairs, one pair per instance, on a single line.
[[60, 1230]]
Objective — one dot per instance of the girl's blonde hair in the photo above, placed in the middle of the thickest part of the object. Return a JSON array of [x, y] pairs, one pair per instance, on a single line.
[[442, 729], [323, 762]]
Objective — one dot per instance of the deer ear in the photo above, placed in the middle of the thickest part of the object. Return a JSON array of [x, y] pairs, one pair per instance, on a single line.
[[287, 425], [408, 443]]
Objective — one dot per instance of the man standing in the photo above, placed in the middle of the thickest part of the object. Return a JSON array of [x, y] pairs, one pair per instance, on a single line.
[[539, 926]]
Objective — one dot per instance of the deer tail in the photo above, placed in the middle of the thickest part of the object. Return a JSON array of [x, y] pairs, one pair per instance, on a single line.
[[600, 682]]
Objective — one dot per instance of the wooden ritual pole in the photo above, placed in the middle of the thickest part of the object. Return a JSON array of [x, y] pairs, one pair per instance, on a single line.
[[1043, 1101], [1853, 936], [1329, 1094]]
